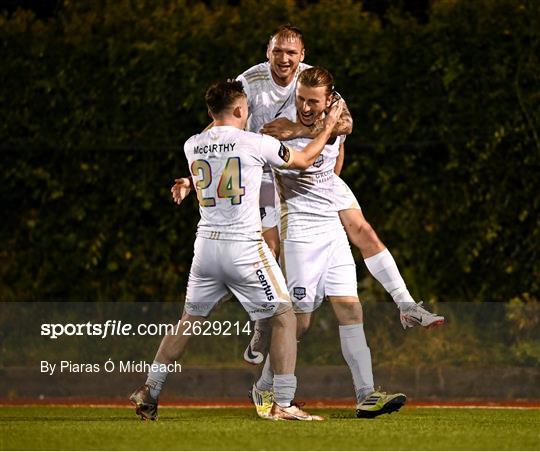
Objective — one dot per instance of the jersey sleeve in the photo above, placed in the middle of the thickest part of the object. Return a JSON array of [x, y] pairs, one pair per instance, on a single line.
[[188, 146], [275, 153], [247, 89]]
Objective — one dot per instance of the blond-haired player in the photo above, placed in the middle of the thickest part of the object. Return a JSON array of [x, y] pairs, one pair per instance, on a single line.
[[315, 256], [270, 88]]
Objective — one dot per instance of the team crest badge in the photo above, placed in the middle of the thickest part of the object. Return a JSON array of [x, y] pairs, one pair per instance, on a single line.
[[299, 292], [284, 152], [319, 161]]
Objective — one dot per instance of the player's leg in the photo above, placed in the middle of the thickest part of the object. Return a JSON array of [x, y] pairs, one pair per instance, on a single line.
[[258, 345], [379, 260], [283, 356], [300, 278], [266, 381], [269, 210], [260, 340], [205, 289], [340, 286], [171, 349], [354, 346], [260, 287], [377, 257], [370, 403]]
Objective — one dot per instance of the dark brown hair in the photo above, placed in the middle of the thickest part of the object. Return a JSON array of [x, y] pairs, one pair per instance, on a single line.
[[317, 76], [221, 95]]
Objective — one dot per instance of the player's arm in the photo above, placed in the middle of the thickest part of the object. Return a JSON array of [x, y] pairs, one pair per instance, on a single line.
[[306, 158], [283, 129], [340, 159], [181, 189]]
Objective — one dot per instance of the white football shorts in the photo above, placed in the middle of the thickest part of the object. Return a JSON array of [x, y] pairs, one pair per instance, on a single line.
[[320, 266], [344, 196], [248, 269]]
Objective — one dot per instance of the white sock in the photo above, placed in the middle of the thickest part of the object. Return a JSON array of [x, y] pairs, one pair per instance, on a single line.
[[156, 379], [266, 380], [384, 269], [284, 389], [358, 356]]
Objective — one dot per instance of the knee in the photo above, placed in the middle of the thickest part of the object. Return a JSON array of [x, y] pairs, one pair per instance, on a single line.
[[363, 236], [301, 331], [348, 312], [286, 319], [352, 315], [302, 327]]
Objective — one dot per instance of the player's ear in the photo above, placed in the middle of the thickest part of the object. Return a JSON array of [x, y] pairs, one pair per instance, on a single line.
[[268, 50], [302, 55], [237, 112], [329, 100]]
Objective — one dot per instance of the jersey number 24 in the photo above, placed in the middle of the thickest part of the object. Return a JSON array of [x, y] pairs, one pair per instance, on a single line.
[[230, 183]]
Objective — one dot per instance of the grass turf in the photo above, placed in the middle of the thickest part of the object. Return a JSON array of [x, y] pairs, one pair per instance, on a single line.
[[63, 428]]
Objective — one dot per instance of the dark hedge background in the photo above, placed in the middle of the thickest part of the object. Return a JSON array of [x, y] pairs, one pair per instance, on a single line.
[[97, 100]]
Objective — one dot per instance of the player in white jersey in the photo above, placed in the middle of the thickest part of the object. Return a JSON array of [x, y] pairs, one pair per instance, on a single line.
[[270, 87], [229, 253], [315, 255]]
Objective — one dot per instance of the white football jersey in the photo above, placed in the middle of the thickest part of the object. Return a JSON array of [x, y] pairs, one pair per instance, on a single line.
[[307, 197], [226, 165], [266, 99]]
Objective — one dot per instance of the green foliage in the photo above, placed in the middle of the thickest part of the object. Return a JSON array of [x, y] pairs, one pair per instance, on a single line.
[[96, 103]]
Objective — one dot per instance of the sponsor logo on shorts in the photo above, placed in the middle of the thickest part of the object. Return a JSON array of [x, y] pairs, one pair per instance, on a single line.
[[299, 293], [266, 287], [198, 307], [319, 161], [265, 308], [263, 212]]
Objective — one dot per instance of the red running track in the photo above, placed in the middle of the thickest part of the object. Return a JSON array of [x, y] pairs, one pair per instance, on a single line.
[[243, 403]]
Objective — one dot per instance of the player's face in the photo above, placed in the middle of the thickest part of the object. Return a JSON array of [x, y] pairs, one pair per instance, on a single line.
[[311, 102], [284, 55]]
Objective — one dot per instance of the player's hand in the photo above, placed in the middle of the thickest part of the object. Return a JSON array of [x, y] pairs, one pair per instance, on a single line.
[[180, 189], [333, 114], [282, 129]]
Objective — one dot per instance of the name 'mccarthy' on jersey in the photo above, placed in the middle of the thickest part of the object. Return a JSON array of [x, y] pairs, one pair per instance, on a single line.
[[307, 197], [226, 165]]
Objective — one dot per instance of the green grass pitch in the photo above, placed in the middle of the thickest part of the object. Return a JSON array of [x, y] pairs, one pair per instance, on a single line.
[[62, 428]]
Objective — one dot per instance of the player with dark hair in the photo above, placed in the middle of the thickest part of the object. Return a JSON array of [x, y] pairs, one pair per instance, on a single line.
[[229, 253]]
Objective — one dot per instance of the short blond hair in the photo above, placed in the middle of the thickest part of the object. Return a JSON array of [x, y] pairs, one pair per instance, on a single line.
[[287, 32]]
